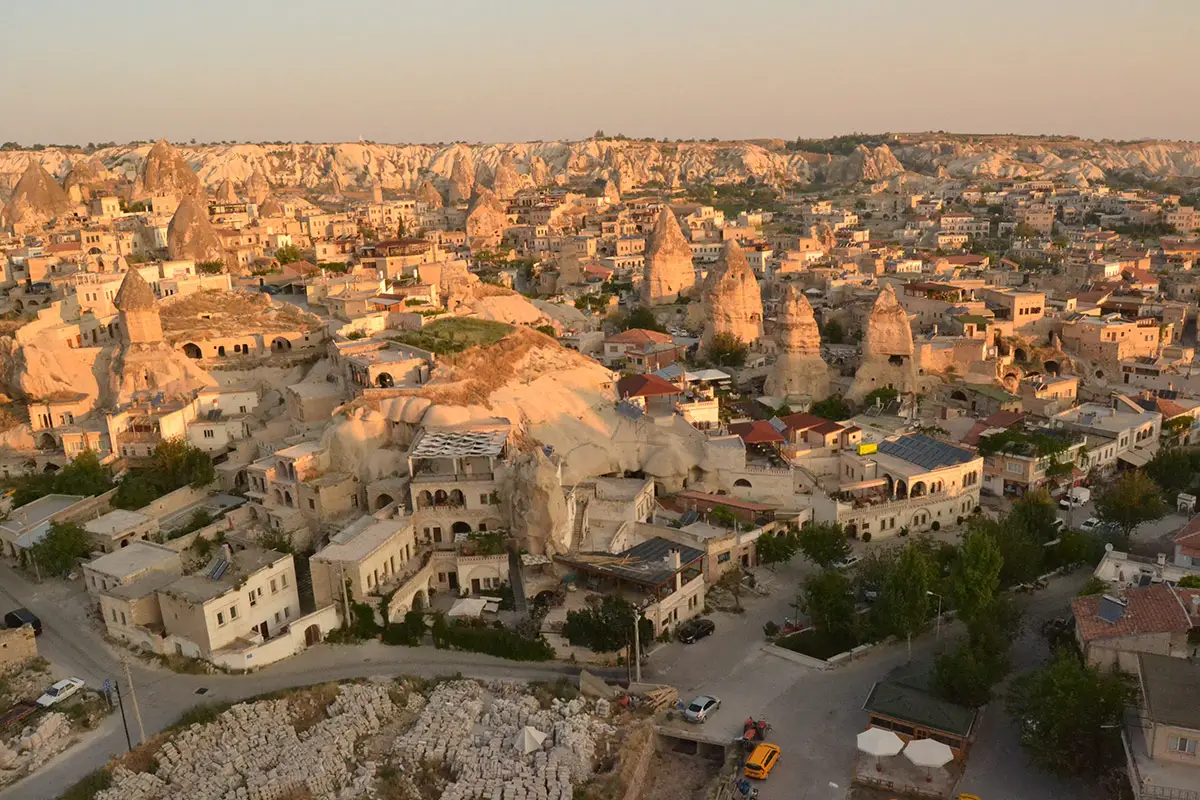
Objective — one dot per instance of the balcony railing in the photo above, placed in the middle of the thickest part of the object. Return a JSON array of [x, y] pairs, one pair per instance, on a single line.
[[450, 477]]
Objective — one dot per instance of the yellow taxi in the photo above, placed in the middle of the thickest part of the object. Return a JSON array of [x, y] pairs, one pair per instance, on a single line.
[[761, 761]]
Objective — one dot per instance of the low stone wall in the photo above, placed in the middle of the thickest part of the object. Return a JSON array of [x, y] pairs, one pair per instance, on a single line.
[[281, 647], [815, 663], [174, 501], [17, 647]]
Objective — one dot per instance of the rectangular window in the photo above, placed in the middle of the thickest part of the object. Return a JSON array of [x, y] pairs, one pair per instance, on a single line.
[[483, 499], [287, 612], [312, 504], [277, 618], [1181, 744], [233, 612], [220, 618], [274, 588], [283, 580], [724, 558], [253, 599], [209, 433]]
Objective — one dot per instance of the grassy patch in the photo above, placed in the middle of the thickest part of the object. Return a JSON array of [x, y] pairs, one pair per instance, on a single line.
[[816, 644], [454, 335], [547, 692], [89, 786]]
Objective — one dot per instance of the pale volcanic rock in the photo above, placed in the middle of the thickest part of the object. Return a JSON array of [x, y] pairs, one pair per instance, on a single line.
[[191, 235], [863, 165], [87, 176], [506, 181], [270, 207], [226, 193], [486, 220], [799, 368], [887, 349], [611, 193], [668, 262], [533, 497], [257, 187], [37, 199], [462, 181], [428, 195], [733, 303], [164, 171]]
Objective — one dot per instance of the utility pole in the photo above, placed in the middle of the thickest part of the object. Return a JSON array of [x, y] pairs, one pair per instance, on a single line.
[[637, 647], [124, 721], [133, 698], [345, 595]]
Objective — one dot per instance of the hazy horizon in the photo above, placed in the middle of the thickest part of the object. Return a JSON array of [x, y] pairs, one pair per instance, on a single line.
[[535, 70]]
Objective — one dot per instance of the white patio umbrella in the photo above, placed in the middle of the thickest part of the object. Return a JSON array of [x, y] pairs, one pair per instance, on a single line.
[[928, 753], [879, 742]]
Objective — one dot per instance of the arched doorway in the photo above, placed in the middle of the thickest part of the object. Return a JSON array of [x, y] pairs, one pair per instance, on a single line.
[[281, 344], [852, 531], [192, 350], [221, 350], [287, 498], [959, 394], [384, 500], [440, 497], [1051, 367], [312, 635], [918, 489], [50, 468], [457, 498], [384, 380], [47, 442], [1020, 355], [460, 527], [901, 489], [424, 499], [743, 483]]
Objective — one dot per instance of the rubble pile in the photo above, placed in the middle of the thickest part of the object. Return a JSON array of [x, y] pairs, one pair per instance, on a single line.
[[473, 730], [34, 746], [249, 753]]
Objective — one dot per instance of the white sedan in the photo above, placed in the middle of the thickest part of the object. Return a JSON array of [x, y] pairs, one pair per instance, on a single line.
[[60, 691]]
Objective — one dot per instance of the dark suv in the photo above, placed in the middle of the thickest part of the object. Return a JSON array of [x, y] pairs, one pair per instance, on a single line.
[[695, 629], [21, 617]]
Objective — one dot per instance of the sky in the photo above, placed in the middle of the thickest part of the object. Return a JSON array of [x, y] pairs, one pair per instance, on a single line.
[[78, 71]]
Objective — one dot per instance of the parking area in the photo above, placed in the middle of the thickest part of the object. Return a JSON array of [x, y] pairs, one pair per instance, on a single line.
[[816, 715]]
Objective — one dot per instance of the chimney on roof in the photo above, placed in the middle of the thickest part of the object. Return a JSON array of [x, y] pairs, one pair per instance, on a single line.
[[675, 562], [227, 553], [1162, 559]]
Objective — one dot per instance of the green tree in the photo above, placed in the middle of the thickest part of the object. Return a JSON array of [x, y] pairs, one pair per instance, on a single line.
[[1189, 582], [903, 606], [85, 475], [605, 627], [824, 543], [1175, 430], [1025, 231], [1021, 550], [881, 396], [727, 350], [288, 254], [731, 581], [1035, 512], [829, 603], [61, 548], [1071, 715], [210, 267], [643, 319], [834, 332], [776, 548], [975, 574], [833, 408], [1130, 500], [1171, 469], [966, 674]]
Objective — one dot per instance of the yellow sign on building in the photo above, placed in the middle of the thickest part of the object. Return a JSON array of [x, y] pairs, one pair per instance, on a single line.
[[867, 448]]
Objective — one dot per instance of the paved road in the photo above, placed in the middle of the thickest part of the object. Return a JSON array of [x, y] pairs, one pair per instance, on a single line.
[[74, 648]]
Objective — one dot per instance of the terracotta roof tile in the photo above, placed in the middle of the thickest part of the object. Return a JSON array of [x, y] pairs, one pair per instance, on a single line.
[[1153, 609]]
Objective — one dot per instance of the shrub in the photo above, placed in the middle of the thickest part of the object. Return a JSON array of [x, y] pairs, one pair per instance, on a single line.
[[960, 519], [501, 643], [937, 526], [866, 537], [409, 633], [771, 629], [89, 786]]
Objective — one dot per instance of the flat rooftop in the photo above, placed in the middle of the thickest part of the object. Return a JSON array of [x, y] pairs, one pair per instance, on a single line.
[[358, 541], [40, 510], [115, 522], [199, 588], [133, 560]]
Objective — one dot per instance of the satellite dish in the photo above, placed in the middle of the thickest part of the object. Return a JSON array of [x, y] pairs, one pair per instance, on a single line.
[[1108, 548]]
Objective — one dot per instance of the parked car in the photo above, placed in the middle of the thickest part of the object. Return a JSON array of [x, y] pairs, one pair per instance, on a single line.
[[1075, 497], [60, 691], [1059, 523], [847, 562], [700, 709], [762, 761], [23, 616], [695, 629], [1089, 524]]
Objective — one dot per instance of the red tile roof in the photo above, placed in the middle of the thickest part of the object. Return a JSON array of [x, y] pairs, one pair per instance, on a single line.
[[645, 386], [801, 422], [1188, 538], [639, 336], [826, 428], [756, 432], [1152, 609]]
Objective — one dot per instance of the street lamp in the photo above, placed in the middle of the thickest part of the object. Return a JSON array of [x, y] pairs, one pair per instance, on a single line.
[[939, 614]]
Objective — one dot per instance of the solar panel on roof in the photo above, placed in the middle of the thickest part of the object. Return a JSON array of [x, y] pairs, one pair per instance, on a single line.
[[629, 410], [689, 516], [925, 451], [1111, 609]]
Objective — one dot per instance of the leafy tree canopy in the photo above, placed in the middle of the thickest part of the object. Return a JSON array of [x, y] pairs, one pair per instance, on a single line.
[[64, 544], [824, 543], [1130, 500], [727, 350]]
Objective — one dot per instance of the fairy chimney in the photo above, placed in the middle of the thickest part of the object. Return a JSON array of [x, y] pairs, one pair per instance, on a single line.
[[887, 349], [138, 307], [190, 234], [165, 172], [257, 188], [428, 195], [668, 262], [462, 181], [486, 220], [506, 181], [799, 368], [225, 192], [36, 200], [733, 304]]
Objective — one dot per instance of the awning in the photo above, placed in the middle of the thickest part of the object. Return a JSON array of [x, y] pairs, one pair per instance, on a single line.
[[1136, 458], [871, 484]]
